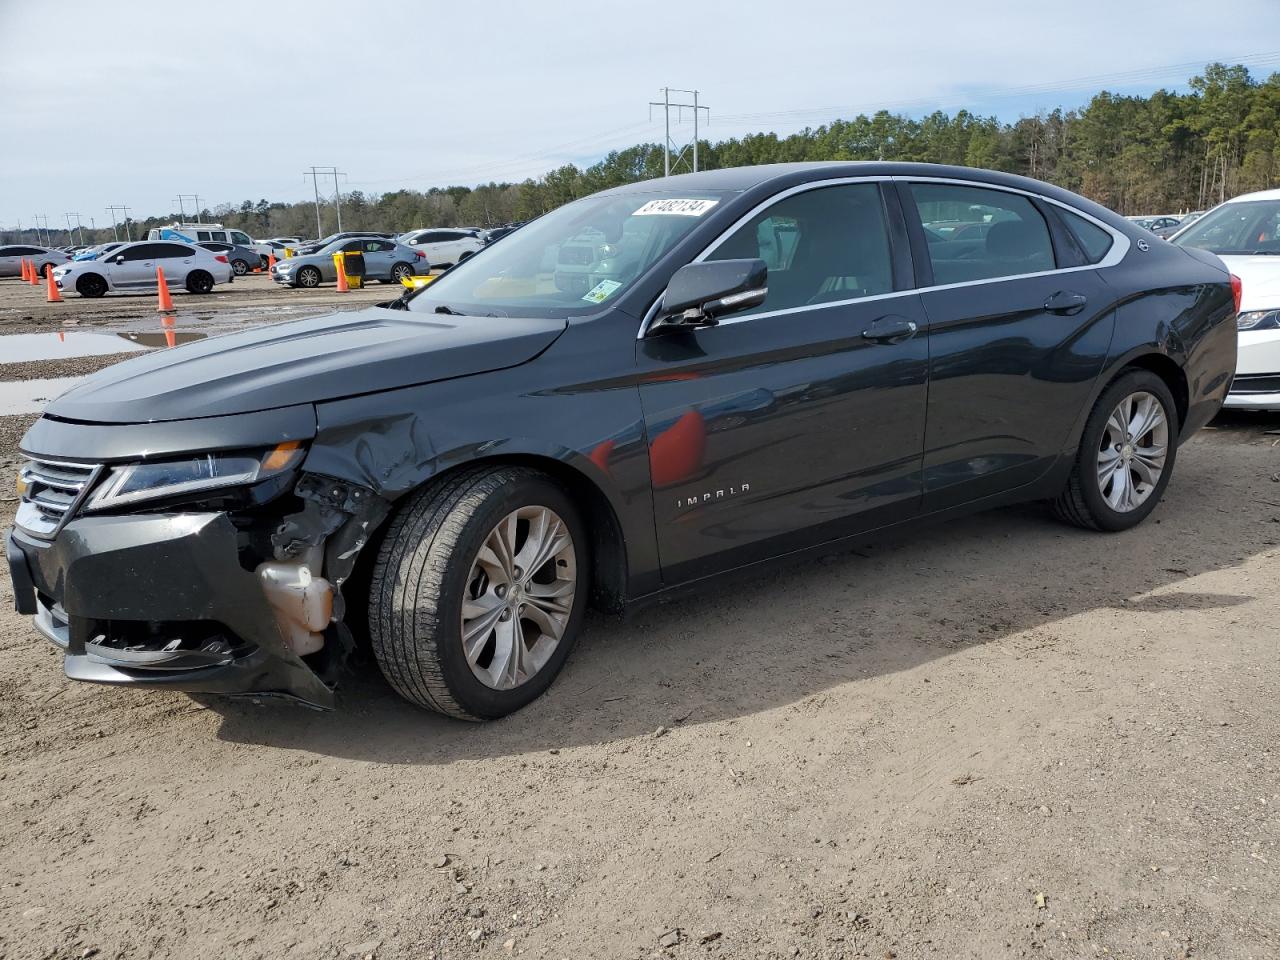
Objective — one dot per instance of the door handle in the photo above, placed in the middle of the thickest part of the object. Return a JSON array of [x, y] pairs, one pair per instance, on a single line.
[[1064, 301], [890, 330]]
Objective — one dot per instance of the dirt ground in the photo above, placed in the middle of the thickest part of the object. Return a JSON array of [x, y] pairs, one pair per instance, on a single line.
[[1001, 738]]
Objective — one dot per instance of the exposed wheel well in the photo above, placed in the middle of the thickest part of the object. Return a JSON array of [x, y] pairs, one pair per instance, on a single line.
[[609, 564], [1172, 375]]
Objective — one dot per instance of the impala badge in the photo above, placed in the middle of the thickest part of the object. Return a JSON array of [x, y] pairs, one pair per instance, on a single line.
[[724, 493]]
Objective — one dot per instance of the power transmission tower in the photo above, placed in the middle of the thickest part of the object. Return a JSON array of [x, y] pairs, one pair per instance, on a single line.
[[182, 213], [112, 210], [315, 173], [668, 144], [43, 237], [79, 227]]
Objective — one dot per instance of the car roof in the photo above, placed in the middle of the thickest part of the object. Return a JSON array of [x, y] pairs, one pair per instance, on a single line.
[[1257, 195], [789, 174]]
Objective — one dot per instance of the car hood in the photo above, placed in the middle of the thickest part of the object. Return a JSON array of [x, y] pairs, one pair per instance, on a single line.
[[322, 358], [1259, 281]]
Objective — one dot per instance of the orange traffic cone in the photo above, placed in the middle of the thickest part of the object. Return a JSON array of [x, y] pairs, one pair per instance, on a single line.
[[164, 301], [26, 277], [53, 295], [271, 264], [32, 277], [343, 287]]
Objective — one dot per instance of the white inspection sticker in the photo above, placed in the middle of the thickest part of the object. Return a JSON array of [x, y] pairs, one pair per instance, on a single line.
[[600, 292], [681, 208]]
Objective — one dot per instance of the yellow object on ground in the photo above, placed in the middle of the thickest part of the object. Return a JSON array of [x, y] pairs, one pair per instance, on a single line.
[[416, 283], [353, 282]]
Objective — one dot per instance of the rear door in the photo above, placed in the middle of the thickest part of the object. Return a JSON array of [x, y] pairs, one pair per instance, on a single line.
[[802, 420], [377, 258], [177, 260], [1018, 333]]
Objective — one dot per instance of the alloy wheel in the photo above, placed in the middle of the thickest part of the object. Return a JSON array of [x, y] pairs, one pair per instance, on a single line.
[[1131, 457], [519, 597]]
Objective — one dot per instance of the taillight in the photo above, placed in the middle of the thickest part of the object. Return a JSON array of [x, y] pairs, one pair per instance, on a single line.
[[1237, 291], [220, 257], [421, 255]]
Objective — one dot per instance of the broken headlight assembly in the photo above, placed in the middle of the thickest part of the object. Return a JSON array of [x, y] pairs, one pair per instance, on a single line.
[[212, 473]]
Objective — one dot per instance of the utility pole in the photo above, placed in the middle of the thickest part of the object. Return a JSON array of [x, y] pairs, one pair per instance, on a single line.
[[125, 210], [195, 199], [44, 237], [315, 173], [79, 227], [668, 145]]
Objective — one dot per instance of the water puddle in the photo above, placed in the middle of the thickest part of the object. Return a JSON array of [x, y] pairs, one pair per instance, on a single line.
[[30, 396], [26, 347]]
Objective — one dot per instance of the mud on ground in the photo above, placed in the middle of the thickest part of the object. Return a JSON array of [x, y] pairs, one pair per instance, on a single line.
[[1000, 738]]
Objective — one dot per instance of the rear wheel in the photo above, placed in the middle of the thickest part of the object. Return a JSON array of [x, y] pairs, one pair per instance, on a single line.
[[1126, 455], [309, 277], [91, 285], [400, 271], [239, 267], [479, 591], [199, 281]]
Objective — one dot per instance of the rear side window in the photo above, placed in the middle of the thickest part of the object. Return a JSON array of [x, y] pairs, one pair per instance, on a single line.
[[820, 246], [163, 250], [1093, 240], [1012, 238]]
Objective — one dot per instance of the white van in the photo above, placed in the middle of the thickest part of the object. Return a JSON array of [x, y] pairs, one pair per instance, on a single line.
[[201, 232]]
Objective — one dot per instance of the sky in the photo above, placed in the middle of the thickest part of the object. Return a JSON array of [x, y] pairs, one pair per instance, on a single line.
[[135, 102]]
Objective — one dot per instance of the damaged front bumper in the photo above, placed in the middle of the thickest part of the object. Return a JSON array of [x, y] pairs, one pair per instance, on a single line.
[[160, 601], [188, 600]]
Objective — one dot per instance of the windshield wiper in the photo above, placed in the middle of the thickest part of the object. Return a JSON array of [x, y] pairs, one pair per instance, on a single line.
[[451, 312]]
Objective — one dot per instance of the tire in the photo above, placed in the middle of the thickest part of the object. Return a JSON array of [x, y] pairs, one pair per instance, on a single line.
[[309, 277], [1110, 485], [264, 263], [199, 281], [465, 254], [431, 558], [91, 285], [399, 271], [239, 268]]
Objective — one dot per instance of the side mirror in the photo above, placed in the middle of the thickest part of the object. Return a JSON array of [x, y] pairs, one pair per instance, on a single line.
[[119, 258], [700, 293]]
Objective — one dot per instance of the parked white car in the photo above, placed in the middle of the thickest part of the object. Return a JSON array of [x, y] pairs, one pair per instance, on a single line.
[[443, 247], [1245, 233], [11, 258], [132, 267]]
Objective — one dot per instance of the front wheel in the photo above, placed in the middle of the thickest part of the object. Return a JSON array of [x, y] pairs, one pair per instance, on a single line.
[[479, 591], [91, 285], [309, 277], [1126, 455]]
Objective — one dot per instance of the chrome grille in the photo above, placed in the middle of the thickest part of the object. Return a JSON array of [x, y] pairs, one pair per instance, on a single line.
[[52, 489]]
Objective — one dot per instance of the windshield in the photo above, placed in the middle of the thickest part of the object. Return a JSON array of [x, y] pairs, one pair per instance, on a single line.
[[1250, 227], [570, 262]]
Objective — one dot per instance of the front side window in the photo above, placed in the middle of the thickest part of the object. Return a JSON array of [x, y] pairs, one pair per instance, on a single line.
[[573, 261], [1244, 228], [820, 246], [143, 251], [1012, 238]]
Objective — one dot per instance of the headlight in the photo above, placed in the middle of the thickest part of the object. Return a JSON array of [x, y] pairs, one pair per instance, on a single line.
[[1258, 320], [136, 482]]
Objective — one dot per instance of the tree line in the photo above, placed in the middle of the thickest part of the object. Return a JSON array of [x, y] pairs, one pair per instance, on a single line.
[[1164, 153]]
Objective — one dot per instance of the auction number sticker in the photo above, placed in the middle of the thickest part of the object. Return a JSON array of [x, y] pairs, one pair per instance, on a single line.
[[680, 208], [600, 292]]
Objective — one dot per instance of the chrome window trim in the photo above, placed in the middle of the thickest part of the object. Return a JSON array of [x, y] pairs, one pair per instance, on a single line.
[[1119, 248]]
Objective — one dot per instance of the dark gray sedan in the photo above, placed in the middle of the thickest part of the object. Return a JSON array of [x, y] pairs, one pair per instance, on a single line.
[[384, 260]]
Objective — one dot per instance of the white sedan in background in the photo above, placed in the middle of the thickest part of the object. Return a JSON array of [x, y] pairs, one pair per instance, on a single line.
[[132, 267], [1245, 233]]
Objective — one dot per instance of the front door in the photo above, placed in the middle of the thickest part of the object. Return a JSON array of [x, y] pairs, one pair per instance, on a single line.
[[137, 269], [799, 421], [1017, 339]]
